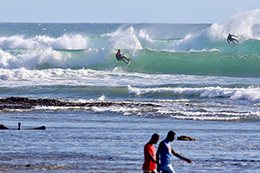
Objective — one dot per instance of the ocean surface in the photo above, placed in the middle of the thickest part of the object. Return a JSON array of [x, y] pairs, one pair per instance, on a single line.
[[204, 87]]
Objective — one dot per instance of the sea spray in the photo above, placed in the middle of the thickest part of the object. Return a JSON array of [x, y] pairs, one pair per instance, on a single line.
[[191, 49], [215, 36]]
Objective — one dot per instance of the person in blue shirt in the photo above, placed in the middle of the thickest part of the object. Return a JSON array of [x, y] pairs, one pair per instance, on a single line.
[[120, 57], [164, 154]]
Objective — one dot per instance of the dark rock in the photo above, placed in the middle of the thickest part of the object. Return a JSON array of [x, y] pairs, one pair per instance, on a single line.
[[38, 128], [3, 126], [186, 138], [26, 103]]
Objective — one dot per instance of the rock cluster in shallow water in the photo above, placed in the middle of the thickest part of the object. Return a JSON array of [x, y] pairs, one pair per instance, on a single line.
[[27, 103]]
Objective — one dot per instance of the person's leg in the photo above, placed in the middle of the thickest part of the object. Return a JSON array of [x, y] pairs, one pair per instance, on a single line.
[[123, 57], [124, 61], [167, 169]]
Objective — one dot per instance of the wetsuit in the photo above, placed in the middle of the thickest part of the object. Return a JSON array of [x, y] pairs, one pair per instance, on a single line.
[[118, 56]]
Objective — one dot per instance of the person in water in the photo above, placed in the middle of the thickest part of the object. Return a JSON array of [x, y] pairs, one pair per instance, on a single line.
[[19, 126], [120, 57], [164, 154], [150, 160], [230, 38]]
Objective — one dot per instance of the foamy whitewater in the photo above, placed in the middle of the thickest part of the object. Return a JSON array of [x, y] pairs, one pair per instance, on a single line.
[[204, 88]]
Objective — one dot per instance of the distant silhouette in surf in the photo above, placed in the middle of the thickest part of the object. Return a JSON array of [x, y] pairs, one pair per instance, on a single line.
[[3, 127]]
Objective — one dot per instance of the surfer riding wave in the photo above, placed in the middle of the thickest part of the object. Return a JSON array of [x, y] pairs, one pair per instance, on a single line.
[[120, 57], [230, 38]]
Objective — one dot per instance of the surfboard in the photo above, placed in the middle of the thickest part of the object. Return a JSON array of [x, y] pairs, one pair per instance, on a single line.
[[129, 62], [234, 45]]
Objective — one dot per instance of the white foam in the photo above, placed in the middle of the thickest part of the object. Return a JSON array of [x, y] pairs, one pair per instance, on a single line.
[[240, 25], [252, 94], [145, 36], [125, 40], [102, 98], [39, 51], [6, 59], [71, 42], [43, 51]]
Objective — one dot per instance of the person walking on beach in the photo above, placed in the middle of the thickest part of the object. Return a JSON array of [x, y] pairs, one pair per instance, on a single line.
[[120, 57], [164, 154], [150, 160], [230, 38]]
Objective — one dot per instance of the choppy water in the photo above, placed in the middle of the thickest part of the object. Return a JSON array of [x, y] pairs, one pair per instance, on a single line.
[[205, 88]]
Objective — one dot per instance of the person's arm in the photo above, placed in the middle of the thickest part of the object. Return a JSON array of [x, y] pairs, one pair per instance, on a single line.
[[159, 150], [228, 40], [150, 153], [181, 157], [151, 157]]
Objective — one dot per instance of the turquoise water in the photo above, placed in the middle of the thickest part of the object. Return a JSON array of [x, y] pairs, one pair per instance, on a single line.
[[204, 88], [200, 52]]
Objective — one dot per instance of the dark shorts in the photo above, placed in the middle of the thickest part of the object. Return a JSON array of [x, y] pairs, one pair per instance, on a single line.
[[120, 58]]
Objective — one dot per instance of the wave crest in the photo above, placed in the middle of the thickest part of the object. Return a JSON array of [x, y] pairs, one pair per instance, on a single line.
[[251, 94]]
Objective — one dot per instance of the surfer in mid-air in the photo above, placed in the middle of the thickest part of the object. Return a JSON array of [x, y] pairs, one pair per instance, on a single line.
[[120, 57], [230, 38]]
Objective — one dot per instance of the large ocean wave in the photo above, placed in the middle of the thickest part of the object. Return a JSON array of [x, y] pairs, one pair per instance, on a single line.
[[190, 49]]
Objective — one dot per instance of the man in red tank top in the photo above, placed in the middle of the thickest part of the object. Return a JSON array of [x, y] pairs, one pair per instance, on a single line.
[[150, 160]]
